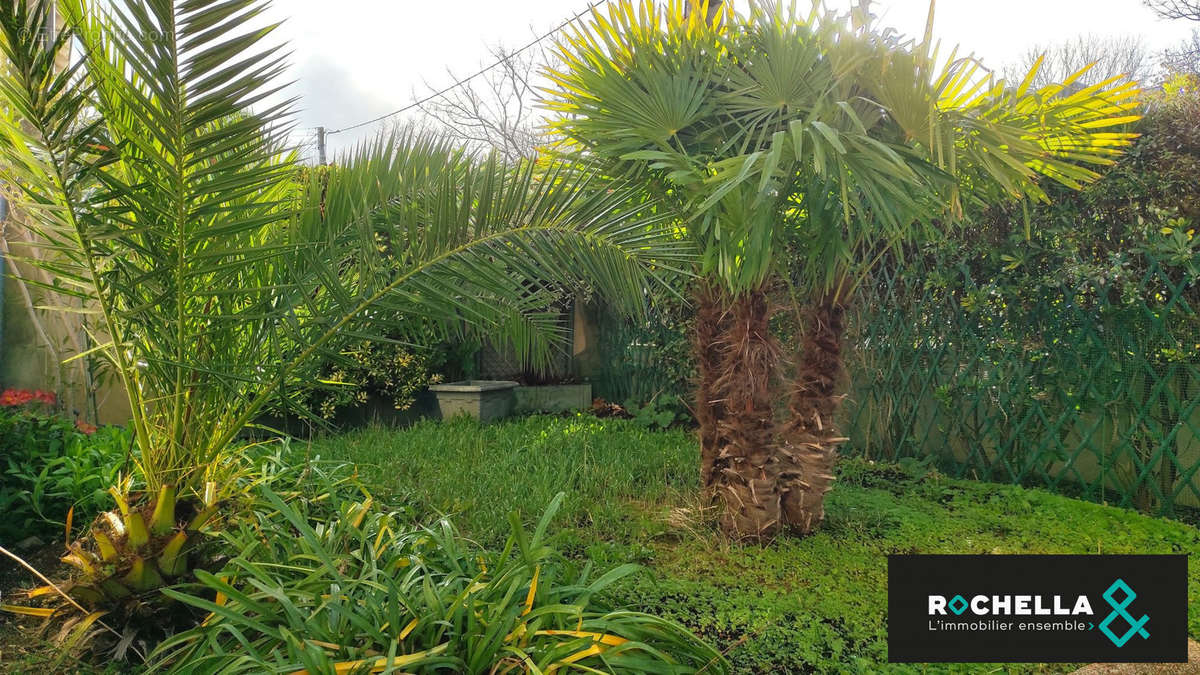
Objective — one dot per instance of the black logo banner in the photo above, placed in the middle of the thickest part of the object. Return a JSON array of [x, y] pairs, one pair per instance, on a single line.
[[1037, 608]]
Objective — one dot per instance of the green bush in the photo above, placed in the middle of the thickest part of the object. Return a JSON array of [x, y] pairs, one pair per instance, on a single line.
[[368, 590], [647, 365], [51, 465], [390, 372], [660, 412]]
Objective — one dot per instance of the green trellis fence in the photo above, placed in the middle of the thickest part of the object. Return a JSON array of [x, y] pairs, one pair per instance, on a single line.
[[1091, 390]]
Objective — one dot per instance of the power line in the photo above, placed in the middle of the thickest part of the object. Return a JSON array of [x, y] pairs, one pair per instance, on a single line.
[[465, 80]]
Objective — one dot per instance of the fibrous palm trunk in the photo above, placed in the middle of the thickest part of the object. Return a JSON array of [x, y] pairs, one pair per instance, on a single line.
[[810, 439], [738, 362], [766, 475]]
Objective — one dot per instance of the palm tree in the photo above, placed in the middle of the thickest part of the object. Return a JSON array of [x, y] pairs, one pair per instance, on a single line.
[[166, 203], [816, 133]]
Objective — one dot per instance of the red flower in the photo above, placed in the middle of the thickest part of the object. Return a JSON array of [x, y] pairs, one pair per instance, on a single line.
[[15, 397], [85, 427], [12, 398]]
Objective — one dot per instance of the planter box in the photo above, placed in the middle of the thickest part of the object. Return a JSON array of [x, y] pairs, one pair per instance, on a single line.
[[553, 398], [485, 400]]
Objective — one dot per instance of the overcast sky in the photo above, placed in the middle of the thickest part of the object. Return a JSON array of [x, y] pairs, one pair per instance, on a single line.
[[356, 59]]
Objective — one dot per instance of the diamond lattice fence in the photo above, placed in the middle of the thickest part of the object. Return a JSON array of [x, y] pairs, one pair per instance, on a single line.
[[1093, 391]]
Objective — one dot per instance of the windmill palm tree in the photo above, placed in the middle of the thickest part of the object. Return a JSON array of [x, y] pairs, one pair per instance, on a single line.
[[819, 132], [166, 202]]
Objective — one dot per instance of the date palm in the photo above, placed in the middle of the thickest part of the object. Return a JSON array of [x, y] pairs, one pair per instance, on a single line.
[[817, 134], [215, 272]]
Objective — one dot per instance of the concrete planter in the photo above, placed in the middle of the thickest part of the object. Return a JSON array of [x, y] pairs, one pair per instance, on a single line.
[[553, 398], [485, 400]]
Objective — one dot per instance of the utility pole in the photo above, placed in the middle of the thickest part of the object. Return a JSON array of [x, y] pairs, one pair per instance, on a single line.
[[321, 145]]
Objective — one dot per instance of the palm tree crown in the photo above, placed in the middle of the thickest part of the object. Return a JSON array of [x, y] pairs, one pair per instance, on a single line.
[[750, 118]]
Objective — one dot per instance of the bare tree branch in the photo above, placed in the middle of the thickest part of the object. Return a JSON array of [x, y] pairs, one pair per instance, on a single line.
[[1113, 56], [496, 111], [1176, 9], [1184, 58]]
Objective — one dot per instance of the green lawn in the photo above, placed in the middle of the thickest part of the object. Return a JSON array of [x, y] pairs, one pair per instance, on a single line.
[[796, 605]]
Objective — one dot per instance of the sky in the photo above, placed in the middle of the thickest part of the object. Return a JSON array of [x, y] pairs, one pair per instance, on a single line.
[[353, 60]]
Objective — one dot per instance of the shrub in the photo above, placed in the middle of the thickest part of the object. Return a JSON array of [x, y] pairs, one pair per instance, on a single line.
[[51, 465], [369, 590], [118, 566], [393, 372]]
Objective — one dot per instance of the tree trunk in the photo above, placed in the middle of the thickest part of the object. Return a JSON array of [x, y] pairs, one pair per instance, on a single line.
[[809, 451], [738, 361]]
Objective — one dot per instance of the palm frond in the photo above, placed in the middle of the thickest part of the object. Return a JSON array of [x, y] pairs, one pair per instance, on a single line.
[[751, 116], [412, 232], [166, 201]]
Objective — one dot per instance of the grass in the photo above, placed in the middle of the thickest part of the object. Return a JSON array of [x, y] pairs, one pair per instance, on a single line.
[[813, 604], [479, 473]]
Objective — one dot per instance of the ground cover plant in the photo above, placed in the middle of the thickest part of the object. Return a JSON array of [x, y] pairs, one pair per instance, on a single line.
[[817, 603], [350, 585]]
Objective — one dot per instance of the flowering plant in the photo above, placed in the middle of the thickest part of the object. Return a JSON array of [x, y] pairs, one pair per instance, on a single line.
[[49, 464], [13, 398], [37, 400]]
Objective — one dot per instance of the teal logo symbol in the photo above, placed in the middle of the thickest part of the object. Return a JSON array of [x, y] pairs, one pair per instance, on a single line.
[[958, 605], [1136, 626]]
